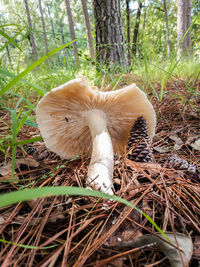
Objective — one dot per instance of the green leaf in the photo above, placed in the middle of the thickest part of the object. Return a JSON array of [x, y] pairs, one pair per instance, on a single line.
[[34, 65], [31, 123], [28, 194], [14, 139]]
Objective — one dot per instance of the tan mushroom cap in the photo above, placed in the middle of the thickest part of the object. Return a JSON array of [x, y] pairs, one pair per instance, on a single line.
[[61, 116]]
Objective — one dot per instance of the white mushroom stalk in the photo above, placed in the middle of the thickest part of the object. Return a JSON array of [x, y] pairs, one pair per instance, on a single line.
[[100, 171]]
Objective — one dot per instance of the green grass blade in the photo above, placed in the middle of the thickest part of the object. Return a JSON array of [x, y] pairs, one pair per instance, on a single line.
[[10, 24], [14, 139], [31, 123], [25, 100], [26, 246], [10, 40], [37, 88], [4, 122], [169, 73], [28, 194], [23, 120], [188, 30], [27, 141], [4, 152], [7, 137], [34, 65], [116, 81]]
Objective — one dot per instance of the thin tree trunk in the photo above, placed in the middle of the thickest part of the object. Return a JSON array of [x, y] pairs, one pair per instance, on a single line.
[[188, 23], [128, 31], [136, 29], [72, 31], [32, 38], [167, 28], [109, 32], [43, 27], [53, 29], [88, 28], [63, 39], [181, 27], [51, 21]]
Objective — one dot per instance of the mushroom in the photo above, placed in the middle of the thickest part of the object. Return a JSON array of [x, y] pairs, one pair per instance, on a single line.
[[76, 117]]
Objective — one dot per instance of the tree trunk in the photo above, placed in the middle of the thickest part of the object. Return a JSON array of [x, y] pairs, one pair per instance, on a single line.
[[53, 29], [183, 23], [128, 31], [72, 31], [51, 21], [88, 28], [43, 27], [109, 32], [63, 39], [136, 29], [181, 27], [167, 28], [188, 23], [32, 38]]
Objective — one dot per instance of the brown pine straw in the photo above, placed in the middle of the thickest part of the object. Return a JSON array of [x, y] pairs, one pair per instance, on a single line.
[[120, 255]]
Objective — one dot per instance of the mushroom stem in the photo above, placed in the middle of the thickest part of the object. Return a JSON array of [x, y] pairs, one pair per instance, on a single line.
[[100, 171]]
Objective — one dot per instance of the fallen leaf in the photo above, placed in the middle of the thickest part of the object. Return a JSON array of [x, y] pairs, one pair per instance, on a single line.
[[196, 145], [176, 139], [2, 219], [178, 142], [184, 243], [172, 252], [31, 162], [6, 170], [191, 139], [177, 147], [161, 149]]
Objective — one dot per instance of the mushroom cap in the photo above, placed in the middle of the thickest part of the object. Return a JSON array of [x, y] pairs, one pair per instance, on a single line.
[[61, 115]]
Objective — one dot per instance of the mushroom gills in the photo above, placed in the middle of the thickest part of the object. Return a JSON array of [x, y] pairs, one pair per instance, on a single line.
[[139, 145]]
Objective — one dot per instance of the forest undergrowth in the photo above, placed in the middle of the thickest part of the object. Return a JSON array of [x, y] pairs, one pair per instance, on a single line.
[[79, 230]]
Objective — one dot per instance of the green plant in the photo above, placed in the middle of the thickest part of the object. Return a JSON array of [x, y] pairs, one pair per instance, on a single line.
[[19, 117], [31, 67]]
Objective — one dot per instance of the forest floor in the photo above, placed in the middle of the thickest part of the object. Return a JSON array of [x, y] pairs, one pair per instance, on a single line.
[[77, 230]]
